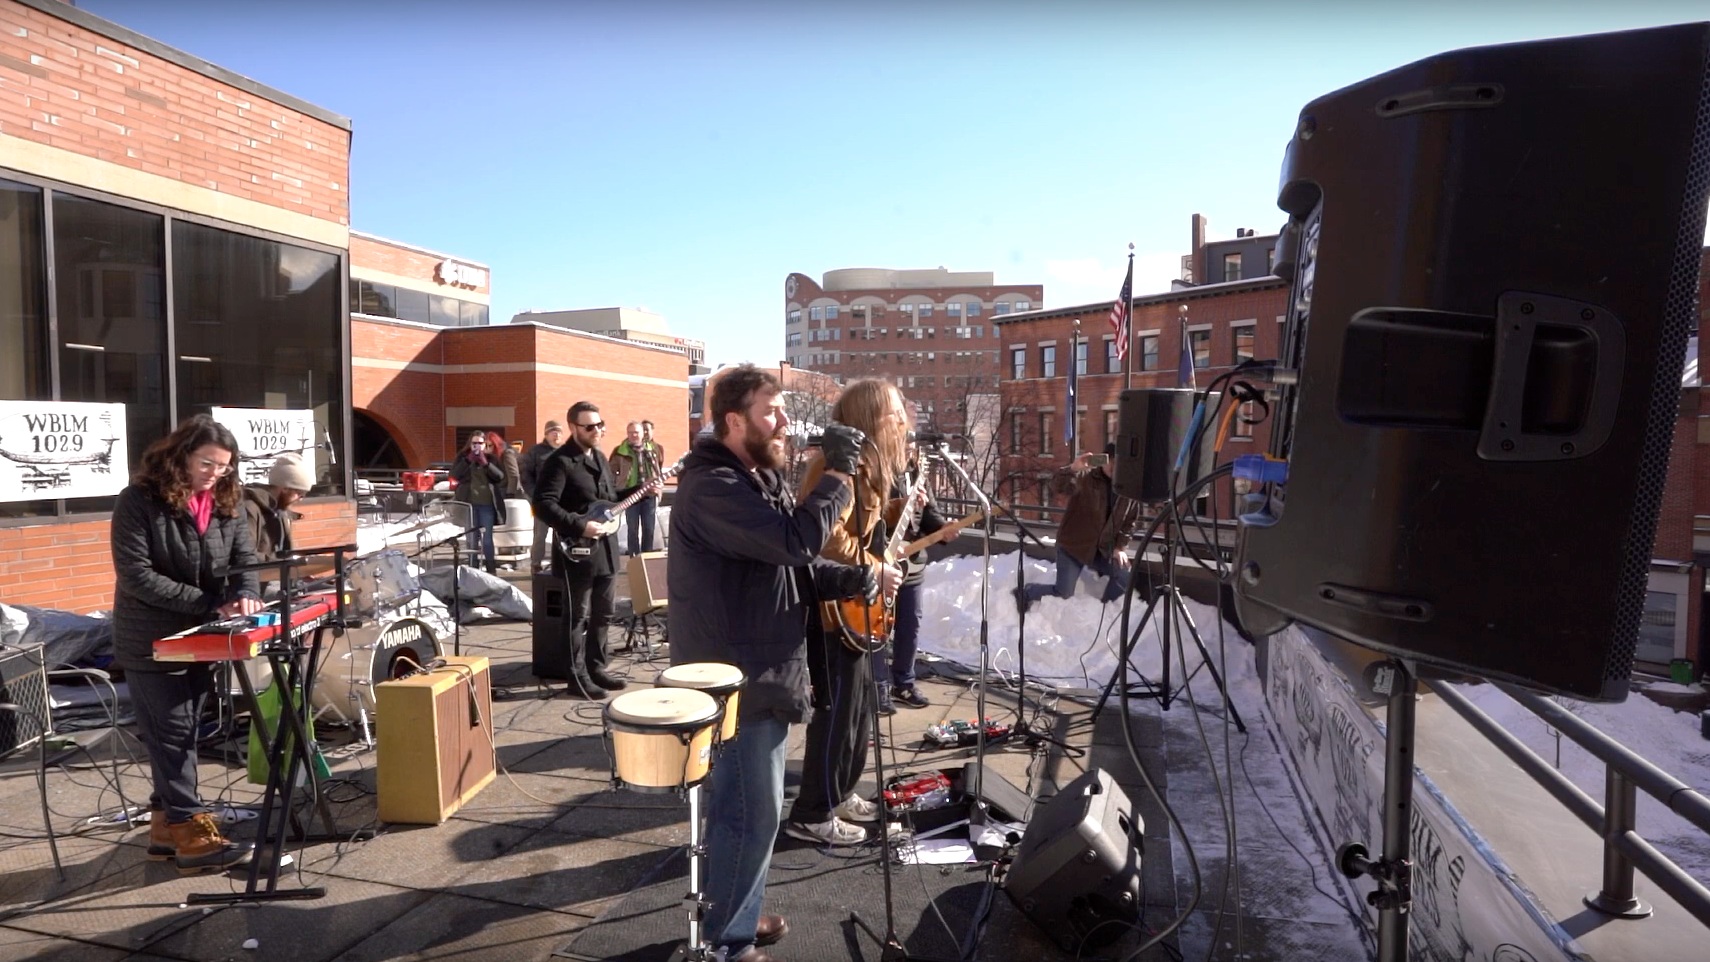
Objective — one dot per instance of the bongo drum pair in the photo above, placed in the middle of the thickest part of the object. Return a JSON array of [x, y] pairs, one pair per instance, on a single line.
[[663, 739]]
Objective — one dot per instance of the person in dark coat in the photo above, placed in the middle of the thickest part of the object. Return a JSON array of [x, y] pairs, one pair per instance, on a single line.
[[529, 468], [1096, 525], [267, 507], [573, 483], [480, 475], [175, 530], [742, 575]]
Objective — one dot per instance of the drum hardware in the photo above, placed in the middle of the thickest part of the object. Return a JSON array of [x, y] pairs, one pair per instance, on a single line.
[[655, 735], [370, 655]]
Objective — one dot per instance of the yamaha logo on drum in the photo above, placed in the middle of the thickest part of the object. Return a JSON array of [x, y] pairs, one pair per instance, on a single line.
[[402, 633]]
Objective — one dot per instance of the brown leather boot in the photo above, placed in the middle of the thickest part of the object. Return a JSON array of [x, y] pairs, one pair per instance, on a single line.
[[160, 844], [200, 846]]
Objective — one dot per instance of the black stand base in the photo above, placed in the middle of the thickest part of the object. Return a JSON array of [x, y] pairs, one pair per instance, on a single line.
[[1172, 600], [890, 947]]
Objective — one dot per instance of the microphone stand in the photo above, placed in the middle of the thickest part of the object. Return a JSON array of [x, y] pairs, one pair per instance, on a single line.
[[1023, 533], [456, 597]]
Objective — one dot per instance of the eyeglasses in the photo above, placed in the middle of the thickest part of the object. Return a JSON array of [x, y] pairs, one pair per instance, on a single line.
[[220, 470], [596, 426]]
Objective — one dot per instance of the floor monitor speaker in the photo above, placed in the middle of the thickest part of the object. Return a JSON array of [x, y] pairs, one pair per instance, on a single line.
[[1077, 872], [1489, 341]]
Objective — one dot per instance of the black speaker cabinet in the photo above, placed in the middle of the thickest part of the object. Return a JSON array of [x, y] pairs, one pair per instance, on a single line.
[[1494, 256], [551, 608], [1078, 866], [1151, 424]]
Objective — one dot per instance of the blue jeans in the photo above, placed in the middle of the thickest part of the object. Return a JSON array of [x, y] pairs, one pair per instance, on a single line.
[[1069, 571], [905, 643], [481, 535], [638, 518], [745, 805]]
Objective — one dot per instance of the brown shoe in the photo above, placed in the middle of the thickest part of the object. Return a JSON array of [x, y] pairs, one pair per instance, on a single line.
[[160, 844], [771, 929], [757, 954], [200, 846]]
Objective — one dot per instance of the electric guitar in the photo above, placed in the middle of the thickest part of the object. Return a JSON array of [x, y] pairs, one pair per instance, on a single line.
[[951, 530], [866, 628], [603, 512]]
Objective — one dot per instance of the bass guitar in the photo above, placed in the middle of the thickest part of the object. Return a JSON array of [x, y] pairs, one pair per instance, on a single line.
[[866, 628], [604, 512]]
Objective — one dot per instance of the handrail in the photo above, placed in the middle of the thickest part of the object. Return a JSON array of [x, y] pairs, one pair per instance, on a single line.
[[1623, 848]]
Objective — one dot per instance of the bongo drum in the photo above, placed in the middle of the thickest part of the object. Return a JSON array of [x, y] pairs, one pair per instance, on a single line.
[[661, 738], [723, 682]]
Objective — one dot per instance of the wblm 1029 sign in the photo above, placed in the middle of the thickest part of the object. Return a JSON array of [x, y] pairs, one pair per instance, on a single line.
[[61, 449], [264, 434]]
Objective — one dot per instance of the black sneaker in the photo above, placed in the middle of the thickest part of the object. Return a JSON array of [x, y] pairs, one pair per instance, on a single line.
[[885, 707], [910, 697]]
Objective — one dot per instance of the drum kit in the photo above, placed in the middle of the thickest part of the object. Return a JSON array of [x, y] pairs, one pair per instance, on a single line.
[[384, 638], [666, 740]]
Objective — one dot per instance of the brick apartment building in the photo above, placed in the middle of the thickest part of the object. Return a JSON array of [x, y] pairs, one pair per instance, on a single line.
[[931, 332], [175, 237]]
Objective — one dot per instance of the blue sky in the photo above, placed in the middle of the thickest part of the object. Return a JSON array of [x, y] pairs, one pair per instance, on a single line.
[[685, 157]]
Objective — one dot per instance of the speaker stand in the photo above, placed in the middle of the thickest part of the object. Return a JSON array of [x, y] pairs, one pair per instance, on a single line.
[[1394, 872], [1173, 605]]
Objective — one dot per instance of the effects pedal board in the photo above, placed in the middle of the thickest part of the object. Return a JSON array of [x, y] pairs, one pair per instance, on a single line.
[[953, 734]]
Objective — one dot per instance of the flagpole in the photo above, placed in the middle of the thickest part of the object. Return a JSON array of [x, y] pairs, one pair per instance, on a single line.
[[1074, 391], [1127, 332]]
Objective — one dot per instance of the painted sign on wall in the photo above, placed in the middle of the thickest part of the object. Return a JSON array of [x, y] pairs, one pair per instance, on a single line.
[[264, 434], [61, 449]]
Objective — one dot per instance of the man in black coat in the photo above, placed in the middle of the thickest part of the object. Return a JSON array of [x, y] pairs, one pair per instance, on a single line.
[[742, 577], [573, 483]]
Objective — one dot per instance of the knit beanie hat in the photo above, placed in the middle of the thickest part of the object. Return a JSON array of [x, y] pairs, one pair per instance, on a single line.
[[289, 471]]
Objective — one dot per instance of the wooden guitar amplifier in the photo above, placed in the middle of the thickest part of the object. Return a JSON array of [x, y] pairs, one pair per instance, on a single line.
[[436, 740]]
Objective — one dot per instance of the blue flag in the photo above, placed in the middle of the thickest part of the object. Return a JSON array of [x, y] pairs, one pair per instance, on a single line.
[[1184, 371], [1069, 406]]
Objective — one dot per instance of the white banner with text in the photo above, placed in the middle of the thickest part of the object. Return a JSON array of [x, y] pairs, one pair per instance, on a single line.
[[61, 449], [264, 434]]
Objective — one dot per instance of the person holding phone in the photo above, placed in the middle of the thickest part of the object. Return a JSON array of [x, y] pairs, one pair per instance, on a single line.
[[1096, 526], [480, 475]]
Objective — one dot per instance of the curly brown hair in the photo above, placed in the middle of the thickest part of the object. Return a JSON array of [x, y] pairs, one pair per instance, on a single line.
[[165, 468]]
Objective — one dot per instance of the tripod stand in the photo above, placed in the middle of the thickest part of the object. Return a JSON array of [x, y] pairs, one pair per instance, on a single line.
[[1174, 607]]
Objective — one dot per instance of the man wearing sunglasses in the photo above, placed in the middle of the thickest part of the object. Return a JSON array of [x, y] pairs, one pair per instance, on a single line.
[[573, 493]]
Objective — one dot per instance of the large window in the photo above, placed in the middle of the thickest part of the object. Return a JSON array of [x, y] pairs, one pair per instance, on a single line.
[[1148, 352], [1201, 344], [257, 325], [1048, 360], [1242, 337], [1080, 357], [254, 322], [1018, 363], [111, 297], [387, 300]]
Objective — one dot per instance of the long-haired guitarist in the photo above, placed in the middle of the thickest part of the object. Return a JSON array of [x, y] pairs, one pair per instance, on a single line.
[[836, 750]]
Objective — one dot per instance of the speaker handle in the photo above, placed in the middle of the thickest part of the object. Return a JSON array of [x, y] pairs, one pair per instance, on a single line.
[[1518, 315]]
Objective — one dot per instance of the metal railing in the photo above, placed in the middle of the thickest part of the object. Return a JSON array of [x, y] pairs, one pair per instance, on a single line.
[[1624, 772]]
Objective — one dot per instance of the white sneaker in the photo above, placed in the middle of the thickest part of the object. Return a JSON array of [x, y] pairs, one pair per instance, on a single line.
[[856, 809], [834, 832]]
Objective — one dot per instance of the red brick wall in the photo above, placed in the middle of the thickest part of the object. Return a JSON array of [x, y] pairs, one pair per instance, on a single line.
[[403, 261], [70, 566], [411, 405], [1674, 521], [66, 87]]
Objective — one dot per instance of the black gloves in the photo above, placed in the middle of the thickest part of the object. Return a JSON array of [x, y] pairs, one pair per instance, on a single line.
[[870, 586], [841, 446]]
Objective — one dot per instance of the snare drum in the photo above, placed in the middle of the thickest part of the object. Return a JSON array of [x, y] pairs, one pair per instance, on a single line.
[[723, 682], [357, 659], [380, 583], [661, 738]]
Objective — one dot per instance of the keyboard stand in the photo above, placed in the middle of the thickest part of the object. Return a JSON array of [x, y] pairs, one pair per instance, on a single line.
[[289, 751]]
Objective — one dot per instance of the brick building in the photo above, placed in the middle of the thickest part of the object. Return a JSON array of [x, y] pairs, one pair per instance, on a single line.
[[931, 332]]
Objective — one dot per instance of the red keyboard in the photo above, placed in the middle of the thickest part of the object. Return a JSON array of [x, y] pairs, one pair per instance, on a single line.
[[240, 638]]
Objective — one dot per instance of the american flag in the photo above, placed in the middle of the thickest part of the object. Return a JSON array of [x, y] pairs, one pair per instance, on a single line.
[[1119, 313]]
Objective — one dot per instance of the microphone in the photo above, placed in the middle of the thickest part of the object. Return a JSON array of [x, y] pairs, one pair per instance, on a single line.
[[933, 437]]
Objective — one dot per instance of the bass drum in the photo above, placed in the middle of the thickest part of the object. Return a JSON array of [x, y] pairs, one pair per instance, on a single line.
[[359, 658]]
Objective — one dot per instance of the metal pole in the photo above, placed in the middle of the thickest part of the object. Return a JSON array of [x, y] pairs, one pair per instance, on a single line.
[[1397, 809], [1620, 806]]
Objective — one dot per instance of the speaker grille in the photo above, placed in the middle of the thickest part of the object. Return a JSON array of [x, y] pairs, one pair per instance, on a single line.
[[1679, 318], [23, 682]]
